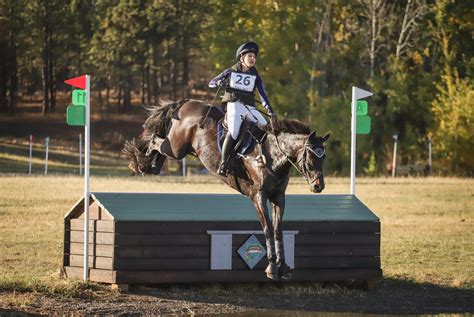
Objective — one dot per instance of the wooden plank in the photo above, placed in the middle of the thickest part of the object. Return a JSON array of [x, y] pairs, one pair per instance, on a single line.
[[78, 225], [338, 262], [157, 264], [336, 250], [187, 227], [95, 275], [164, 227], [339, 238], [94, 249], [94, 262], [162, 252], [320, 275], [94, 225], [97, 238], [162, 239], [332, 250], [66, 241], [94, 212], [320, 239]]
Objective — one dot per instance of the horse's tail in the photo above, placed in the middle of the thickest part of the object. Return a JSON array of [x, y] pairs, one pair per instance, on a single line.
[[159, 118], [134, 151]]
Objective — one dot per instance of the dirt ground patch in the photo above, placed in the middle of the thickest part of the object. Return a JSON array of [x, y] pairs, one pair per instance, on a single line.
[[389, 296]]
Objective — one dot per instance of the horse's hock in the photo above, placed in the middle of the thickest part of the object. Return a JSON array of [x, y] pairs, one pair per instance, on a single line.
[[146, 238]]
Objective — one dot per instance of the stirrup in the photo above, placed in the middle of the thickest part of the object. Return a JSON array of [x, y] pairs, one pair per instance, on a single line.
[[222, 170]]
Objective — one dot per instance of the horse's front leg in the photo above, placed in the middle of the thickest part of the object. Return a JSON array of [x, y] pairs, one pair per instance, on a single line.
[[278, 208], [260, 203]]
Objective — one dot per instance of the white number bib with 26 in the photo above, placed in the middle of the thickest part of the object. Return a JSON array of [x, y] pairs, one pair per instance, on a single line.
[[242, 81]]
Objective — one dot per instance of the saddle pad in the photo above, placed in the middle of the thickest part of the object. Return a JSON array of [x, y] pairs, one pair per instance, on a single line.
[[245, 142]]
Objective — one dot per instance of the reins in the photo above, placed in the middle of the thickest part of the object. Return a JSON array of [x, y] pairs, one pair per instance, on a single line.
[[201, 125], [288, 158]]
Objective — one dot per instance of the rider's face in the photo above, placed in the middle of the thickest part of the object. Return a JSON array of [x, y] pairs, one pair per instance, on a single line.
[[249, 60]]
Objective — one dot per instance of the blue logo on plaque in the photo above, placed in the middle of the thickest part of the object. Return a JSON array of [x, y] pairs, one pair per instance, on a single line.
[[252, 251]]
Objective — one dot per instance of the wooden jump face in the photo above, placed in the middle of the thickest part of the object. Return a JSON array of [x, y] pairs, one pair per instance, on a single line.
[[138, 238]]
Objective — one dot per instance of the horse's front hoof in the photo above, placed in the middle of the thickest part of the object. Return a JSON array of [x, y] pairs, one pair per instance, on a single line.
[[272, 271], [284, 271]]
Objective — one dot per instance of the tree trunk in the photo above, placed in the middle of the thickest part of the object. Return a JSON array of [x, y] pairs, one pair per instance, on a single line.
[[3, 86], [185, 59], [45, 74], [127, 102], [13, 67], [143, 84], [52, 82]]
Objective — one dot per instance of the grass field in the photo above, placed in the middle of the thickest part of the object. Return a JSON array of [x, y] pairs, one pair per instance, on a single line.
[[427, 224]]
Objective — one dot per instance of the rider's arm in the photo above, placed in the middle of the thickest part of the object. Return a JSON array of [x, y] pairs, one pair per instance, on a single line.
[[219, 79], [263, 96]]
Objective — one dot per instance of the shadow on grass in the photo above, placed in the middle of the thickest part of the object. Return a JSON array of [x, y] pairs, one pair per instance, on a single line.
[[389, 296]]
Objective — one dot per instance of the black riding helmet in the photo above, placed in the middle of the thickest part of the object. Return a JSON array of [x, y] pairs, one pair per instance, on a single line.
[[246, 48]]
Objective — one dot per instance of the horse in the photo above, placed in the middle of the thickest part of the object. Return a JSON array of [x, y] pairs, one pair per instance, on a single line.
[[176, 129]]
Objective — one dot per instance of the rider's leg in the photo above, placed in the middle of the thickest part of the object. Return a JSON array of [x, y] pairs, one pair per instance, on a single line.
[[234, 121], [255, 116]]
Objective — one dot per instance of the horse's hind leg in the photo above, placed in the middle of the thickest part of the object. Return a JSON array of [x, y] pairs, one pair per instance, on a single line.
[[278, 207], [260, 203]]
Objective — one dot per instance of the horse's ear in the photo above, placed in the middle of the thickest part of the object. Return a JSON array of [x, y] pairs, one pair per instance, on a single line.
[[326, 137], [311, 134]]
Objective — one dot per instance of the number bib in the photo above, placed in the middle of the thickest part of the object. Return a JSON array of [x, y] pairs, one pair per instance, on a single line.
[[242, 82]]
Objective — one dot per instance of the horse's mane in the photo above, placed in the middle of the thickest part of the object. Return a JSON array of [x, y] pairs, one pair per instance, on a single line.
[[289, 126], [160, 116]]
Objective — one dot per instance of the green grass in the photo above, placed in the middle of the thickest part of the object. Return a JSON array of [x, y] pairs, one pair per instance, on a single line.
[[426, 225]]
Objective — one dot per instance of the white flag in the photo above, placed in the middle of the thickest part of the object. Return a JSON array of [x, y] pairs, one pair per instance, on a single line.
[[361, 93]]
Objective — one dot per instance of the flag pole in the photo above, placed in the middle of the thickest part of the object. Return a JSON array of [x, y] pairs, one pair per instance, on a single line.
[[86, 179]]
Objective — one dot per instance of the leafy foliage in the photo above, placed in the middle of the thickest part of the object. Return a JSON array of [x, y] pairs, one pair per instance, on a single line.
[[416, 56]]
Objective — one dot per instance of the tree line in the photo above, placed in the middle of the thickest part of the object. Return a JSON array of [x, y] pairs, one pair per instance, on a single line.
[[415, 55]]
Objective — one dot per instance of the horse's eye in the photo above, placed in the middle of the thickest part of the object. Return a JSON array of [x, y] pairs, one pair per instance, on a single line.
[[319, 152]]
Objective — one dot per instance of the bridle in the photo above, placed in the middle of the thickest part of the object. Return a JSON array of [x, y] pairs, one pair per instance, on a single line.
[[319, 153]]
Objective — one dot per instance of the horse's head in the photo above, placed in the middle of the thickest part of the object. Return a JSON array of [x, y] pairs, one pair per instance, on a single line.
[[312, 159]]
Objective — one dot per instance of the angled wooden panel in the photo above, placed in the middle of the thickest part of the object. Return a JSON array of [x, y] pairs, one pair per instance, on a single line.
[[94, 212]]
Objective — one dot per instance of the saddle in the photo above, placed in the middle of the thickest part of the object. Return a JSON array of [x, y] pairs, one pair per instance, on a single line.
[[250, 135]]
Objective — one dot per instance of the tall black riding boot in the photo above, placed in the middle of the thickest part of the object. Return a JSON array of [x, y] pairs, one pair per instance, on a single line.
[[227, 149]]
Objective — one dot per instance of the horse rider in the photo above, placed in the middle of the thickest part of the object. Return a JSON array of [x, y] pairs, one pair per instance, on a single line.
[[241, 82]]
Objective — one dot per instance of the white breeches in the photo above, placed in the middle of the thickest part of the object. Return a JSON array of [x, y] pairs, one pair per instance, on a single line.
[[236, 112]]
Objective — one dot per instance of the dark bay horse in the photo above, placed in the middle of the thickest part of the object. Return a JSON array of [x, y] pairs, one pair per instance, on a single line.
[[190, 127]]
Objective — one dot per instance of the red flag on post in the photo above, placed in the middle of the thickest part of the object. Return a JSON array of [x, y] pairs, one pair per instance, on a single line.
[[79, 82]]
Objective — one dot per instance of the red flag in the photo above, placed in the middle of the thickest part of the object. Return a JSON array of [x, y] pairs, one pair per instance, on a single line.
[[79, 82]]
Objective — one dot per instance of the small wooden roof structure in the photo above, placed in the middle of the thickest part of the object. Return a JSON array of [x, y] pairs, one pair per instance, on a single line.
[[128, 206]]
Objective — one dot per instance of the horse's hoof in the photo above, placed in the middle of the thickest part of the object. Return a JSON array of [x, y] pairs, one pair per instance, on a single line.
[[284, 271], [272, 271]]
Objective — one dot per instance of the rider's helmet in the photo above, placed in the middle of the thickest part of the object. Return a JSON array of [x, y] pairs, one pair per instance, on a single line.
[[246, 48]]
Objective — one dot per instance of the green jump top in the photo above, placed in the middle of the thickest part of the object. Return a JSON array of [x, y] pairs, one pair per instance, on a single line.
[[227, 207]]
